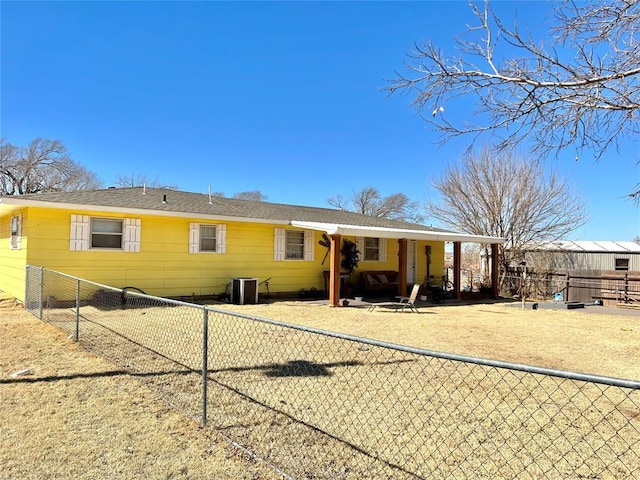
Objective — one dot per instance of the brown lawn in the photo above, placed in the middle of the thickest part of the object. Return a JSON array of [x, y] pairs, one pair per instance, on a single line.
[[581, 340], [78, 416]]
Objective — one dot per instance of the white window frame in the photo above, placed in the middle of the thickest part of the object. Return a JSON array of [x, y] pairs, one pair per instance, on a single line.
[[15, 236], [94, 234], [81, 235], [195, 237], [280, 245], [382, 249]]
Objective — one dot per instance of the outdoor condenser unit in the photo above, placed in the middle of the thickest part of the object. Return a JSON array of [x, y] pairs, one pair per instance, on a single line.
[[244, 291]]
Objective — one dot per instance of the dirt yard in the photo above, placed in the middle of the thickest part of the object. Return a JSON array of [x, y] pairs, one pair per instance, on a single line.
[[77, 416], [596, 340]]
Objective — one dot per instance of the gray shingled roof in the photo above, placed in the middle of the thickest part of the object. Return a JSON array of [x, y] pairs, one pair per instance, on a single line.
[[153, 200]]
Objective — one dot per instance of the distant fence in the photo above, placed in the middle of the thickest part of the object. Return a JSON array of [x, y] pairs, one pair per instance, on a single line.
[[611, 287], [318, 404]]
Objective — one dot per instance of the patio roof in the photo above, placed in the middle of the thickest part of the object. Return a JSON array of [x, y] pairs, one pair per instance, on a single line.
[[386, 232]]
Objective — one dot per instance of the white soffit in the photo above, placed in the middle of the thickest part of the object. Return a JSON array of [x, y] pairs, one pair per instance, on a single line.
[[383, 232]]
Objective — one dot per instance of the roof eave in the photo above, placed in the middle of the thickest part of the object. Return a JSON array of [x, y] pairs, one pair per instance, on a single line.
[[384, 232]]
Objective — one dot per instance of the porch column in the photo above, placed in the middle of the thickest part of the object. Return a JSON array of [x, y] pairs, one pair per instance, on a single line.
[[402, 266], [494, 270], [457, 257], [334, 271]]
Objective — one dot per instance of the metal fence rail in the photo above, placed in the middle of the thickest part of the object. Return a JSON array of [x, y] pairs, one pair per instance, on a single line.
[[325, 405]]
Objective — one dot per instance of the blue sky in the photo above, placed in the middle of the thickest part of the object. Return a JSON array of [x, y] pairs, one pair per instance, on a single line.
[[281, 97]]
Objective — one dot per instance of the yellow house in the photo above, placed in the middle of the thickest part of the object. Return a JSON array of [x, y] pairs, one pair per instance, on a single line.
[[170, 243]]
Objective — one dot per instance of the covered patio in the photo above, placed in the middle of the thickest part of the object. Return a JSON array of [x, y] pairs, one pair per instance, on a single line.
[[336, 232]]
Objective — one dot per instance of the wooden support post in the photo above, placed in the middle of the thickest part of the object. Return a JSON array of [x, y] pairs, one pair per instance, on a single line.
[[457, 265], [334, 271], [402, 266]]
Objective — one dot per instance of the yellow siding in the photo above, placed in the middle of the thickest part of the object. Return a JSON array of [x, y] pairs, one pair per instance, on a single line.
[[13, 262], [164, 266]]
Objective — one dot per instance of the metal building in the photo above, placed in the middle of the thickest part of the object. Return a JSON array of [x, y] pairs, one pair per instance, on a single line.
[[567, 256]]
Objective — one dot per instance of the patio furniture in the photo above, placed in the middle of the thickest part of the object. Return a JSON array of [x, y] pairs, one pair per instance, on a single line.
[[374, 282], [402, 302]]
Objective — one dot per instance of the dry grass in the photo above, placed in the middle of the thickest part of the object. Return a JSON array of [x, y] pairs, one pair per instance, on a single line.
[[577, 340], [79, 416], [403, 413]]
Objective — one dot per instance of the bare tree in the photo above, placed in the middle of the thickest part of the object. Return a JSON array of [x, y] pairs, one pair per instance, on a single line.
[[139, 180], [368, 201], [42, 166], [470, 256], [581, 91], [505, 195], [255, 195]]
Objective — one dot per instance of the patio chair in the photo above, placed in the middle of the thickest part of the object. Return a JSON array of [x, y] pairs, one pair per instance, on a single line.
[[402, 302]]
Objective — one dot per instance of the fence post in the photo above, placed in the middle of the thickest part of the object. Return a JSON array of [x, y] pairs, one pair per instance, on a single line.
[[566, 287], [626, 288], [77, 334], [205, 354], [41, 301]]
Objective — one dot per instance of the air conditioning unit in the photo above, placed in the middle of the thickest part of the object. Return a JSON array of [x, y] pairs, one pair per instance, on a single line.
[[244, 291]]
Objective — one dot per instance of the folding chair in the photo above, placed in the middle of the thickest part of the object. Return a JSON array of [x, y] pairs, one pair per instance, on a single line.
[[402, 302]]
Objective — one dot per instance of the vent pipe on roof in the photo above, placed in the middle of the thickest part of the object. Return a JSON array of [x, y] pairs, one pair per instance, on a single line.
[[144, 188], [164, 198], [210, 202]]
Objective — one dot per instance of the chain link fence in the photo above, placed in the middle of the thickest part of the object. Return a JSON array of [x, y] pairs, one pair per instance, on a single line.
[[318, 404]]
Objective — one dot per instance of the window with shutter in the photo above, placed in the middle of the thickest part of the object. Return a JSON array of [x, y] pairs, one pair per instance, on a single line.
[[293, 245], [16, 227], [372, 249], [207, 238], [104, 233]]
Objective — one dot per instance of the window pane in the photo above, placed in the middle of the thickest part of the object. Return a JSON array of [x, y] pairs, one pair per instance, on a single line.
[[106, 233], [295, 244], [295, 251], [208, 244], [106, 241], [372, 249], [207, 238], [15, 223], [207, 231], [99, 225]]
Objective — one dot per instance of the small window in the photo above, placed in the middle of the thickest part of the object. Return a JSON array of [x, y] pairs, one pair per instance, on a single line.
[[207, 238], [622, 264], [371, 249], [294, 245], [15, 233], [106, 233]]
